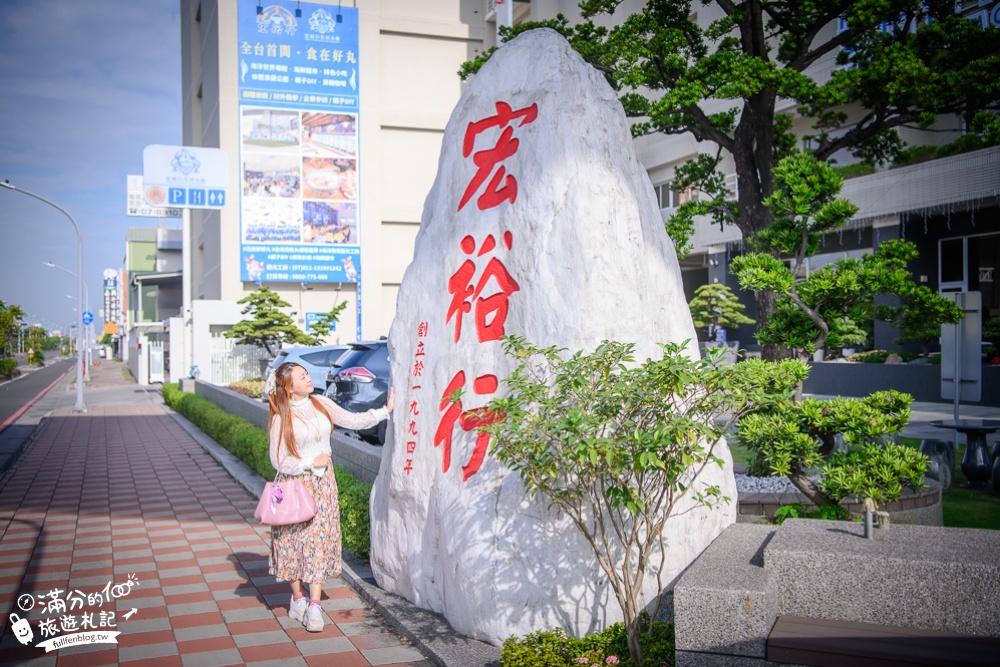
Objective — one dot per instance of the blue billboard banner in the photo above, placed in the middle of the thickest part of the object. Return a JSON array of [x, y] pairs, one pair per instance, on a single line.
[[312, 318], [299, 156], [290, 264]]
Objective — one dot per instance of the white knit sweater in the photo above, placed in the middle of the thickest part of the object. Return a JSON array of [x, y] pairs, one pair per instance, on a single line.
[[308, 424]]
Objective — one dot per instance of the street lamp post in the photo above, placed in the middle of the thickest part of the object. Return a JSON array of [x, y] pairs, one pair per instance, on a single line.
[[80, 405], [88, 331]]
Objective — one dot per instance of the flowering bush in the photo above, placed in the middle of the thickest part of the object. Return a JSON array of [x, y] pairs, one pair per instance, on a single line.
[[554, 648], [251, 388]]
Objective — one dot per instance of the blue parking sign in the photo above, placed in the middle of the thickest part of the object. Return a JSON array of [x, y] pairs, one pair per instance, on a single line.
[[184, 176]]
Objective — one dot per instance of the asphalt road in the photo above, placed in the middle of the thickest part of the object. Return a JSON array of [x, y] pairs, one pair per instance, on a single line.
[[21, 391]]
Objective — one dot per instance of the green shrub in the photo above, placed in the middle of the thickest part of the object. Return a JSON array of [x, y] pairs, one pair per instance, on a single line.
[[914, 155], [799, 511], [355, 521], [554, 648], [7, 367], [853, 170], [250, 444], [251, 388], [879, 356]]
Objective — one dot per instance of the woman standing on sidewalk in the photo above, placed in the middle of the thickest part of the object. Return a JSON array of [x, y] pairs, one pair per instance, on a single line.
[[300, 428]]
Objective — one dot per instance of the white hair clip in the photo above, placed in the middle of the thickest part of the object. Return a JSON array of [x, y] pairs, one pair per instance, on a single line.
[[270, 385]]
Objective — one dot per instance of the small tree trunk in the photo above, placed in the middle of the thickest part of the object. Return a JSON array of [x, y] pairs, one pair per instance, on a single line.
[[829, 441], [632, 632], [765, 302], [809, 488]]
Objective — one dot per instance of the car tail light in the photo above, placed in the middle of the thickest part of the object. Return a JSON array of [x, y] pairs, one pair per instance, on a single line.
[[358, 374]]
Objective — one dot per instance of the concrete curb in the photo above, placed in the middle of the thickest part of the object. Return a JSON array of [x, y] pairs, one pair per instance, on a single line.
[[13, 434], [426, 630]]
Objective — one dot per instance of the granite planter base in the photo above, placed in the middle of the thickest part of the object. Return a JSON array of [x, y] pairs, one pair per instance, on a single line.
[[921, 508]]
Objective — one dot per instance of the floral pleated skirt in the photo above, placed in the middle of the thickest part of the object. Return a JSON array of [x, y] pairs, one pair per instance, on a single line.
[[310, 551]]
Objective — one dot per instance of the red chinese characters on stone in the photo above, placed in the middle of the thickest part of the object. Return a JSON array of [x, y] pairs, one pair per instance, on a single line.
[[414, 407], [469, 420], [491, 311], [502, 186]]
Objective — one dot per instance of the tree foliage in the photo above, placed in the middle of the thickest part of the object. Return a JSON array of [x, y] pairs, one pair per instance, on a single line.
[[618, 445], [797, 439], [326, 323], [266, 326], [831, 306], [715, 307], [11, 321], [919, 315], [899, 63]]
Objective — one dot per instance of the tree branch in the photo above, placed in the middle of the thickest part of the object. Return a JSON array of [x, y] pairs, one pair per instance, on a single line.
[[707, 131]]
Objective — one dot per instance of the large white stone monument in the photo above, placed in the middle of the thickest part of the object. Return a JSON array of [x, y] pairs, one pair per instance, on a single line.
[[541, 223]]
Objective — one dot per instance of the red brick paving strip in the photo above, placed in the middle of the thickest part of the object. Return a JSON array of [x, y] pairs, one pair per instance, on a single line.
[[124, 489]]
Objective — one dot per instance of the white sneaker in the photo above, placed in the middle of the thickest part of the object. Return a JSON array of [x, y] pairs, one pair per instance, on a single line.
[[297, 608], [314, 618]]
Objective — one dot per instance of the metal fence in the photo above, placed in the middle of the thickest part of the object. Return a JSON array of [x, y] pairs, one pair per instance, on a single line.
[[233, 363]]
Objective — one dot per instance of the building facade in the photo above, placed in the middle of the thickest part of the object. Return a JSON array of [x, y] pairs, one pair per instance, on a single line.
[[403, 86], [405, 66]]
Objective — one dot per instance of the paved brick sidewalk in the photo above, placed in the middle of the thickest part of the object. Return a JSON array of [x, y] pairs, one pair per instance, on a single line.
[[124, 489]]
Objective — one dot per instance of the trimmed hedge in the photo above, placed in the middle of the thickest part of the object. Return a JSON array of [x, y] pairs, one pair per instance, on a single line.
[[250, 444]]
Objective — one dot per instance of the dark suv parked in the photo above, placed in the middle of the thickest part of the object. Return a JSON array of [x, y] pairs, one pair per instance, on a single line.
[[359, 381]]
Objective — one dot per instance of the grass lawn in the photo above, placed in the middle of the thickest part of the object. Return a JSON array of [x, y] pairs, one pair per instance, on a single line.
[[741, 455], [963, 508], [970, 508]]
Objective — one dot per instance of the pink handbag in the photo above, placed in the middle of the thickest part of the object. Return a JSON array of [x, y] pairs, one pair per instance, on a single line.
[[284, 503]]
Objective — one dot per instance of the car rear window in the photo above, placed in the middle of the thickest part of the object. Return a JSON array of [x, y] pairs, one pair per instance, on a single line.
[[378, 361], [317, 358], [351, 358]]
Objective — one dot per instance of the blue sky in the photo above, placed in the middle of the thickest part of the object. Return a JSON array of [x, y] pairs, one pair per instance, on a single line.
[[86, 85]]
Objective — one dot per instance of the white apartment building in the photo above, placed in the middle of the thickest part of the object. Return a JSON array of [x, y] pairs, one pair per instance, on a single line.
[[333, 146]]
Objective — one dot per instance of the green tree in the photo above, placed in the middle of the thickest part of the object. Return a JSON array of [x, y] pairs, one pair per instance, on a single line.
[[266, 326], [616, 445], [11, 321], [715, 307], [326, 322], [796, 439], [919, 315], [831, 305], [722, 83]]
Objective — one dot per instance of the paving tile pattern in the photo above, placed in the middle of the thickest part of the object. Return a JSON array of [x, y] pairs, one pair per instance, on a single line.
[[122, 491]]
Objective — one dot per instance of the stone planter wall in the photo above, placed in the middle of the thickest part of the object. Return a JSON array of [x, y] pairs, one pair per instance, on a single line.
[[921, 508]]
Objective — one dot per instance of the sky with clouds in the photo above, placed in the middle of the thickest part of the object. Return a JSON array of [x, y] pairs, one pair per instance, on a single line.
[[86, 86]]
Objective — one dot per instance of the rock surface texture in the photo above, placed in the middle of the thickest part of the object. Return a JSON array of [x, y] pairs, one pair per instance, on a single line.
[[541, 223]]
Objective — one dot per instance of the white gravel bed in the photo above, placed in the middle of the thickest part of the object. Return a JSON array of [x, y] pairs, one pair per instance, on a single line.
[[748, 484]]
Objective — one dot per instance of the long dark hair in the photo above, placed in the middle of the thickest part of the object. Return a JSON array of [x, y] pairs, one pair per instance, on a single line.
[[280, 402]]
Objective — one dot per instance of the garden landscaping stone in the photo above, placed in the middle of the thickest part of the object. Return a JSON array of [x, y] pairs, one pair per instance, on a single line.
[[559, 240]]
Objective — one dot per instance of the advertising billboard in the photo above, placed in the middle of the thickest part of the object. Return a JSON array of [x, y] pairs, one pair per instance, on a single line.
[[299, 155]]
